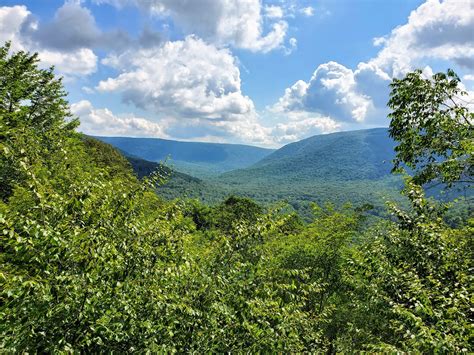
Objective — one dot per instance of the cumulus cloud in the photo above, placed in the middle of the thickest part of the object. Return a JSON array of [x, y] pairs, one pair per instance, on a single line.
[[247, 130], [331, 91], [195, 89], [186, 79], [239, 23], [82, 62], [302, 124], [11, 21], [14, 21], [74, 27], [192, 86], [68, 41], [440, 31], [102, 122]]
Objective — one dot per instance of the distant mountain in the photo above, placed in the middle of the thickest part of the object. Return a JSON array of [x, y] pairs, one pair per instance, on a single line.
[[176, 184], [340, 167], [194, 158], [342, 156], [142, 168]]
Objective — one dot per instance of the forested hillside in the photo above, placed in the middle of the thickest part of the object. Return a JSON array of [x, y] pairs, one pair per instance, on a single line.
[[341, 167], [92, 260], [355, 155], [176, 184], [197, 159]]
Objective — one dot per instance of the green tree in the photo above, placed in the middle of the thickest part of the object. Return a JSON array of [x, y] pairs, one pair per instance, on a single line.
[[83, 246], [419, 271], [235, 210], [432, 123], [33, 114], [417, 268]]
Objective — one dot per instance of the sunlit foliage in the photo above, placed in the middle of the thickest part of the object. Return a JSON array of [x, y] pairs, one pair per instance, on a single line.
[[92, 260]]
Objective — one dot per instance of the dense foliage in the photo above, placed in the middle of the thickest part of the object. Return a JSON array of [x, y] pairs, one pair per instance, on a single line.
[[432, 122], [93, 260]]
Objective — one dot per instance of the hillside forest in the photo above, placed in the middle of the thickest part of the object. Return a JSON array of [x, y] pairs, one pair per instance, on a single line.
[[93, 259]]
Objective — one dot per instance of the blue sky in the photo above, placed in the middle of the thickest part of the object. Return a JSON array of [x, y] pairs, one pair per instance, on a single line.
[[239, 71]]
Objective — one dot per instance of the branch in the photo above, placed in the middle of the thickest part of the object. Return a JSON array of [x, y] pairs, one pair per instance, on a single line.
[[457, 106]]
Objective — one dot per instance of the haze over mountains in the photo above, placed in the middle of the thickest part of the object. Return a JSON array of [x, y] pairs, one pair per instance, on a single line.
[[353, 155], [345, 166], [195, 158]]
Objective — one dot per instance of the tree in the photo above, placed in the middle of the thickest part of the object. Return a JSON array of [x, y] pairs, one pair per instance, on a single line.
[[237, 209], [418, 268], [83, 246], [431, 120], [33, 114]]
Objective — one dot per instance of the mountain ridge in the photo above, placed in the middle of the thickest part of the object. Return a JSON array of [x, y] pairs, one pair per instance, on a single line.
[[349, 155], [200, 159], [350, 166]]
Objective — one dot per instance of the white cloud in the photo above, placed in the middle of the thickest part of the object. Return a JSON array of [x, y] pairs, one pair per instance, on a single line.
[[273, 11], [14, 20], [247, 130], [307, 11], [468, 77], [68, 40], [292, 45], [11, 21], [301, 125], [239, 23], [185, 79], [102, 122], [82, 62], [440, 31], [332, 91], [193, 86], [291, 127], [379, 41], [373, 83], [74, 27]]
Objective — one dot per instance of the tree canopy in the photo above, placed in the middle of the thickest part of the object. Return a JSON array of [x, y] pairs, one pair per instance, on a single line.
[[92, 260], [432, 122]]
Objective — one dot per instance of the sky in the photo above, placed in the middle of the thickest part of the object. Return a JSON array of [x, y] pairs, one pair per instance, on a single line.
[[259, 72]]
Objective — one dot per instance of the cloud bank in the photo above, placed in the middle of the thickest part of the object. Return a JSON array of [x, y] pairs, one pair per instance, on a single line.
[[437, 30], [240, 23], [192, 85]]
